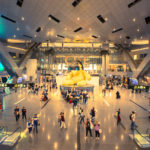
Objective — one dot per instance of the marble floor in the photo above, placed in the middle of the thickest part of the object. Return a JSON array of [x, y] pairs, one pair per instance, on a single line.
[[51, 137]]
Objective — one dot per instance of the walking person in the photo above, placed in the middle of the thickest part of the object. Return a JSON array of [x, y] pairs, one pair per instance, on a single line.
[[59, 119], [29, 125], [82, 116], [36, 123], [118, 117], [62, 121], [24, 111], [17, 113], [133, 124], [97, 130], [88, 127]]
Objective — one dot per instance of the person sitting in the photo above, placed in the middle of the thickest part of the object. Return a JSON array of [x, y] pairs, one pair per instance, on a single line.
[[117, 95]]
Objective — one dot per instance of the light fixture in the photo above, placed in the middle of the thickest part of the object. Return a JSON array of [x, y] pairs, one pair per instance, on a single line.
[[17, 29], [14, 36], [140, 42], [138, 30], [141, 37], [65, 29], [134, 19], [139, 49], [17, 41], [120, 36], [78, 19], [35, 35], [22, 18], [22, 49], [90, 29], [114, 29]]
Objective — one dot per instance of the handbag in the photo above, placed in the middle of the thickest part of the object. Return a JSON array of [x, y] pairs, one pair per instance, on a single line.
[[100, 131]]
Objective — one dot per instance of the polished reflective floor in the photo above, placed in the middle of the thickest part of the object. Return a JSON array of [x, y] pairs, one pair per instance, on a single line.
[[50, 136]]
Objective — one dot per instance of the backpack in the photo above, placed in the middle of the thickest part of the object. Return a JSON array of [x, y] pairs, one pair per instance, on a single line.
[[130, 116]]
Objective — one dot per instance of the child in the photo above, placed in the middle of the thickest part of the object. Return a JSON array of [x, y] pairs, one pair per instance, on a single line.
[[29, 125], [97, 129]]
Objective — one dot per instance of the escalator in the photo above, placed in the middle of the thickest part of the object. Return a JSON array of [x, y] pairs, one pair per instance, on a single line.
[[9, 139]]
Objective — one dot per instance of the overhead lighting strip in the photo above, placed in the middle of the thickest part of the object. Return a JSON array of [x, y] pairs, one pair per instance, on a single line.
[[18, 48]]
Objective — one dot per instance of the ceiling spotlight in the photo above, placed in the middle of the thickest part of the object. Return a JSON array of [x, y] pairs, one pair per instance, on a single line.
[[78, 18], [114, 29], [22, 18], [120, 36], [99, 36], [17, 29], [134, 19], [65, 29], [138, 30], [141, 37], [90, 29], [35, 35], [14, 36]]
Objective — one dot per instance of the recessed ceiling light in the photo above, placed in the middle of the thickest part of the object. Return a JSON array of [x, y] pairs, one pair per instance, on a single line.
[[120, 36], [17, 29], [78, 18], [134, 19], [22, 18], [90, 29], [138, 30], [141, 37], [65, 29], [35, 35], [14, 36], [114, 29], [99, 36]]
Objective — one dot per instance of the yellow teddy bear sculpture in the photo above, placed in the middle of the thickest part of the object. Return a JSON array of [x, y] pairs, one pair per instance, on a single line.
[[77, 77]]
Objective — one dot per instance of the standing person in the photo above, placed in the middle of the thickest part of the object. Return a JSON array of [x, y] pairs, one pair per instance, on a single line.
[[92, 113], [29, 125], [36, 123], [17, 113], [81, 117], [118, 117], [62, 121], [88, 127], [24, 111], [97, 129]]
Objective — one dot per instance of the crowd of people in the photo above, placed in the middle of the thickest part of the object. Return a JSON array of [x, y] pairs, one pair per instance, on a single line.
[[75, 96]]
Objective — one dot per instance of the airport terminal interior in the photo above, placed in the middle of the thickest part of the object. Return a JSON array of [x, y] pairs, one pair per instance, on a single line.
[[74, 74]]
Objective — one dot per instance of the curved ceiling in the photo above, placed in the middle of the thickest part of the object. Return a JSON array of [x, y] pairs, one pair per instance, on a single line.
[[34, 14]]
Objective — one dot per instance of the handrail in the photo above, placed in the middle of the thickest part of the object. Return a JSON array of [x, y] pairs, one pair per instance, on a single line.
[[15, 131]]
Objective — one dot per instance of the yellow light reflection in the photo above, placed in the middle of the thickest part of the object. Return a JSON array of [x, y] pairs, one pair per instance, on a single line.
[[43, 129], [122, 137], [104, 138], [48, 137], [139, 49], [116, 147], [67, 136], [55, 145], [75, 145]]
